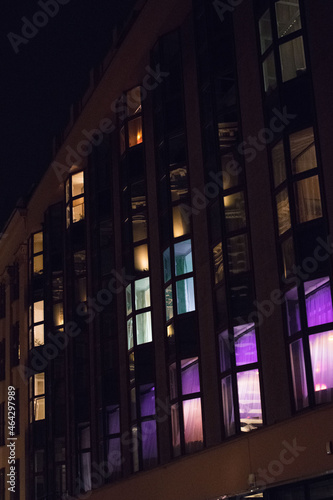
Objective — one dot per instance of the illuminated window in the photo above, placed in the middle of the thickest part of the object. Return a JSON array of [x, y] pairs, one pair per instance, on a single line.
[[75, 204], [37, 397], [131, 131]]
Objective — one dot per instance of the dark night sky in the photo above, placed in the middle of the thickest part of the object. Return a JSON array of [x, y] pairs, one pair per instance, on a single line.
[[39, 83]]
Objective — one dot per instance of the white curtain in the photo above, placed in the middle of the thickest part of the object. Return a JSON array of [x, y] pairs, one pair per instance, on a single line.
[[321, 350], [193, 425], [249, 399], [144, 332], [319, 306]]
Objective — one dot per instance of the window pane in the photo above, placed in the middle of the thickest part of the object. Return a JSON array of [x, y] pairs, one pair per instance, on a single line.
[[175, 430], [231, 171], [39, 380], [238, 254], [193, 425], [249, 400], [134, 101], [321, 350], [183, 257], [130, 341], [181, 221], [190, 376], [292, 59], [38, 335], [78, 209], [139, 227], [288, 257], [149, 444], [298, 375], [128, 299], [308, 200], [38, 242], [131, 364], [235, 216], [167, 265], [279, 166], [77, 184], [287, 17], [85, 471], [143, 328], [173, 381], [303, 151], [226, 346], [185, 296], [227, 134], [113, 419], [147, 400], [168, 303], [318, 300], [133, 404], [114, 455], [269, 72], [141, 262], [58, 314], [138, 196], [245, 344], [293, 317], [283, 211], [218, 263], [265, 30], [135, 132], [135, 449], [178, 184], [142, 293], [228, 406], [38, 311]]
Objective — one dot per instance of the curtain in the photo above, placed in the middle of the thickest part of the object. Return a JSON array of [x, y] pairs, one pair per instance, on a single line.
[[147, 400], [175, 430], [143, 328], [185, 296], [308, 199], [86, 471], [149, 443], [246, 348], [193, 425], [319, 306], [249, 399], [321, 351], [228, 406], [298, 375], [190, 376]]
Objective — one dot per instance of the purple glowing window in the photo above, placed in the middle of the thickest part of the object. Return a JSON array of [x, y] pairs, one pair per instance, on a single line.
[[321, 350], [149, 444], [293, 317], [298, 375], [113, 419], [245, 344], [190, 376], [225, 348], [228, 406], [147, 400], [193, 425], [114, 457], [318, 301], [249, 400]]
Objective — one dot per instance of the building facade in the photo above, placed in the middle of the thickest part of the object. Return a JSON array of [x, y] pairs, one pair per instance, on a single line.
[[166, 318]]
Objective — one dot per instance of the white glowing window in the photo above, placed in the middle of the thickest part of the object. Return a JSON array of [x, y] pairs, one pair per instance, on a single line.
[[39, 311], [38, 242], [39, 379], [38, 335], [78, 209], [141, 258], [77, 184]]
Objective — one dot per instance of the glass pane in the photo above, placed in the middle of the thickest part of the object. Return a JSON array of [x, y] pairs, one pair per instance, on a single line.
[[245, 344], [138, 196], [167, 265], [173, 381], [308, 200], [141, 262], [249, 400], [77, 184], [133, 99], [114, 457], [38, 242], [183, 257], [279, 165], [130, 341], [175, 430], [321, 350], [131, 362], [265, 31], [288, 257], [142, 293], [39, 408], [318, 301], [227, 134], [181, 221], [58, 314], [85, 470], [168, 303], [269, 72], [293, 317], [113, 419], [149, 444], [143, 328], [292, 59], [135, 132], [68, 215], [218, 263], [139, 227], [226, 346], [193, 425], [147, 400], [67, 190], [190, 376], [178, 184], [283, 211], [80, 263], [185, 296], [234, 206], [38, 264], [228, 406], [128, 299], [231, 171], [78, 209], [287, 17], [298, 374], [39, 380], [238, 254], [39, 311], [303, 151]]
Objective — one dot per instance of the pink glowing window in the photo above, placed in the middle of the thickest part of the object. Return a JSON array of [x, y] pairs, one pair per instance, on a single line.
[[321, 351], [245, 344], [193, 425], [249, 400], [318, 301]]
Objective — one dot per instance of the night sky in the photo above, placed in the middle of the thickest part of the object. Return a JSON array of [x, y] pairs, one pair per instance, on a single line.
[[40, 82]]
